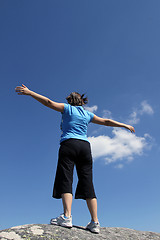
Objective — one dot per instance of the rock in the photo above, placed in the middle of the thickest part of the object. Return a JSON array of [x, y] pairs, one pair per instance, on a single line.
[[52, 232]]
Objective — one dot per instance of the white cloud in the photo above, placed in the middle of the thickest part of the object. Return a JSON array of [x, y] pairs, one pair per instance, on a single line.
[[133, 119], [144, 108], [119, 166], [92, 109], [123, 146], [107, 114]]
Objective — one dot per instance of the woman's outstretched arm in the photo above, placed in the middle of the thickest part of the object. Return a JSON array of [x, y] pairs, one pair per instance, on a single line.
[[44, 100], [111, 123]]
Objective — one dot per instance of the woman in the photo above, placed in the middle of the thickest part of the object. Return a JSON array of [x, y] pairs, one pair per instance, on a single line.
[[74, 150]]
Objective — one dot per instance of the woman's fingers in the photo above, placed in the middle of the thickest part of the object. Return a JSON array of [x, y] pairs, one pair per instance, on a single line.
[[132, 129], [22, 90], [19, 88]]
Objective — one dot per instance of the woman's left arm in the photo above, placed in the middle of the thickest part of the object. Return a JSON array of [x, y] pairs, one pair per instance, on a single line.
[[111, 123], [44, 100]]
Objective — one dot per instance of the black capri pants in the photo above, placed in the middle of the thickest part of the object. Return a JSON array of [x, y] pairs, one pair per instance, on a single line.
[[74, 152]]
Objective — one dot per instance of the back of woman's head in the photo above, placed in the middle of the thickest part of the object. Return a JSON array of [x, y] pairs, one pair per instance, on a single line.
[[76, 99]]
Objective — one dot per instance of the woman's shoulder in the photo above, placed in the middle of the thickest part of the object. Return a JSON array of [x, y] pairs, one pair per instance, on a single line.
[[69, 109]]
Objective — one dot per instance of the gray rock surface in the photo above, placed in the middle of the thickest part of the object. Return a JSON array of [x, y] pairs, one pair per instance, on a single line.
[[52, 232]]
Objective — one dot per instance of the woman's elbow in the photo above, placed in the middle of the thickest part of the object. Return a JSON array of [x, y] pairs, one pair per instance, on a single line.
[[107, 122]]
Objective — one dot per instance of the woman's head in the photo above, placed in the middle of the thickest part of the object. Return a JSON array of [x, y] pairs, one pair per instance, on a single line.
[[76, 99]]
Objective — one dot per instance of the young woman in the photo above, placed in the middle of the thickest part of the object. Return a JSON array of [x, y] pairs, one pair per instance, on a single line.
[[74, 150]]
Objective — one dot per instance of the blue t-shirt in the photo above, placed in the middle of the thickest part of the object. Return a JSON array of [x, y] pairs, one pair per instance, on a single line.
[[75, 120]]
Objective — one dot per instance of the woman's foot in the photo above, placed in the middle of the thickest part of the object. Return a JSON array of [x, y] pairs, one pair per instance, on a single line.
[[62, 221], [94, 227]]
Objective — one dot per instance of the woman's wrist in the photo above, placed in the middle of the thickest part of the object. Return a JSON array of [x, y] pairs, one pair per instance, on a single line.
[[125, 126], [31, 93]]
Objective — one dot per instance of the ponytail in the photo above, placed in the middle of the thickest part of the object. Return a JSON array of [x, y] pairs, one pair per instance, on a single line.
[[76, 99]]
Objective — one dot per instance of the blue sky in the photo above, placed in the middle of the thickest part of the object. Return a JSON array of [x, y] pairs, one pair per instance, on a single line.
[[109, 50]]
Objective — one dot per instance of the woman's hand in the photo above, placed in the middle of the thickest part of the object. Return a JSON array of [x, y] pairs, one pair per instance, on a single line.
[[22, 90], [130, 128]]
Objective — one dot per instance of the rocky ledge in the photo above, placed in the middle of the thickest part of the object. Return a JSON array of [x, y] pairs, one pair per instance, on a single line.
[[52, 232]]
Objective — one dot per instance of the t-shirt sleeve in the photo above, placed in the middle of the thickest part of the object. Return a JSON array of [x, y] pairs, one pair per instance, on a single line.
[[91, 115], [66, 108]]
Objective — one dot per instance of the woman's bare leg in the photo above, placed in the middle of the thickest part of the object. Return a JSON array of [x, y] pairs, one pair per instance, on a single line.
[[92, 206], [67, 203]]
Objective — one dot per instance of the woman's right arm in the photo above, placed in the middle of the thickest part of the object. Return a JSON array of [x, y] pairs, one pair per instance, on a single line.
[[111, 123], [42, 99]]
